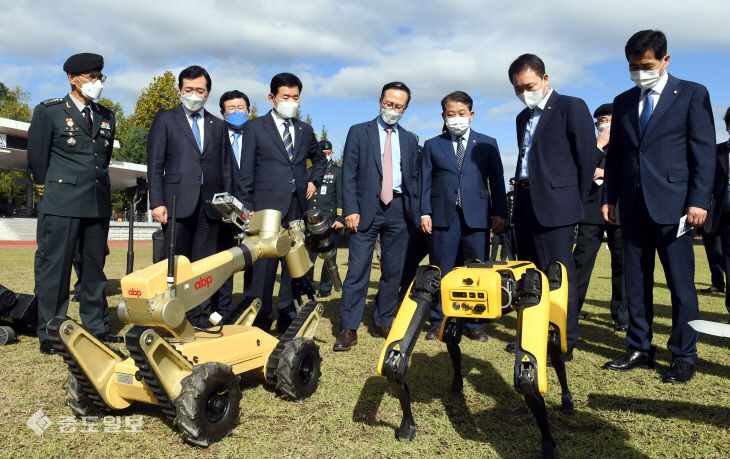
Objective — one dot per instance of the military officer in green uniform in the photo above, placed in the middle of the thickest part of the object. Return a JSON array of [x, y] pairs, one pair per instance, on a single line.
[[70, 142], [328, 199]]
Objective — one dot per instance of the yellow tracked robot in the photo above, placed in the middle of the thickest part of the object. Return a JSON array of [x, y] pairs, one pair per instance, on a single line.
[[192, 374], [486, 291]]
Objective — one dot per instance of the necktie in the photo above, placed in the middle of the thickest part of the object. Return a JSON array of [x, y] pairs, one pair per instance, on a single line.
[[288, 145], [386, 191], [646, 111], [196, 130], [460, 160], [237, 147], [87, 114]]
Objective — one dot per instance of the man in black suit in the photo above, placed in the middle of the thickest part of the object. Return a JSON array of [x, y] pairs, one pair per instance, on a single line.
[[379, 196], [234, 106], [555, 169], [189, 157], [592, 227], [274, 156], [718, 220], [660, 167]]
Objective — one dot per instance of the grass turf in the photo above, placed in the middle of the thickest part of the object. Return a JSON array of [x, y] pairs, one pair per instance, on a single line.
[[354, 414]]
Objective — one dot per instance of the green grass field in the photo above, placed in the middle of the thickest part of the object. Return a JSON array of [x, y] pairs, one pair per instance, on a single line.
[[354, 414]]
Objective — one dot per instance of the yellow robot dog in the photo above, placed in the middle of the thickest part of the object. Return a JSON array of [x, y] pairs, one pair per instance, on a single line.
[[192, 374], [486, 291]]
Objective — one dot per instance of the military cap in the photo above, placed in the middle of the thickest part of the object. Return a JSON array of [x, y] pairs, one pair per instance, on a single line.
[[325, 144], [603, 110], [83, 62]]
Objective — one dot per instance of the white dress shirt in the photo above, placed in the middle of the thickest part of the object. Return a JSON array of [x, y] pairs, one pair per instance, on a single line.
[[279, 120], [201, 124]]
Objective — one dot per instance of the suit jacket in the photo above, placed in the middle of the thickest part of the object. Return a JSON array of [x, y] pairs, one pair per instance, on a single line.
[[175, 166], [675, 158], [267, 172], [362, 173], [719, 190], [561, 160], [481, 172], [71, 161]]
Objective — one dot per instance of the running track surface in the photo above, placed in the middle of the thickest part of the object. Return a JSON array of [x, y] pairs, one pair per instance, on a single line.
[[32, 244]]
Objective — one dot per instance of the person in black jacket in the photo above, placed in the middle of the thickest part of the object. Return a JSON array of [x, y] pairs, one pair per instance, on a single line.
[[592, 227], [718, 220]]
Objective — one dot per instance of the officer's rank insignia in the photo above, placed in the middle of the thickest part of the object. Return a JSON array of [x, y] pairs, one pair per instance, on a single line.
[[106, 143], [105, 125], [71, 141]]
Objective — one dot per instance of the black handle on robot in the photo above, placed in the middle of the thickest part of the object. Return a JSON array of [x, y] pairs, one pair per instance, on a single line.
[[171, 251]]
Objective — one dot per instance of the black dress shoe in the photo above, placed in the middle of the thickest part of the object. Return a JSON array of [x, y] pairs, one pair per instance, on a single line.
[[345, 341], [711, 289], [476, 334], [47, 347], [511, 347], [320, 295], [433, 333], [680, 372], [109, 338], [380, 332], [76, 298], [631, 359], [283, 324]]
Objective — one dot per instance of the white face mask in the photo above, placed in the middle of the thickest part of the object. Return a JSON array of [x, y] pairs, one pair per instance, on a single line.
[[193, 102], [531, 98], [390, 116], [603, 127], [287, 109], [457, 125], [646, 79], [91, 89]]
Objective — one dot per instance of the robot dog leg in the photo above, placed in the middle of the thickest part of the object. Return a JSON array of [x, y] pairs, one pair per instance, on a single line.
[[394, 359]]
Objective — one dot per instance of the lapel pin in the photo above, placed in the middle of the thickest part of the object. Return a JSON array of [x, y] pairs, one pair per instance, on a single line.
[[675, 91], [106, 143], [549, 108], [473, 141]]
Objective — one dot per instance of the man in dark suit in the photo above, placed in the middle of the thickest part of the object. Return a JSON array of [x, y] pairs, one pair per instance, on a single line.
[[555, 169], [592, 227], [459, 168], [189, 156], [70, 142], [660, 166], [274, 156], [718, 220], [379, 189], [234, 106]]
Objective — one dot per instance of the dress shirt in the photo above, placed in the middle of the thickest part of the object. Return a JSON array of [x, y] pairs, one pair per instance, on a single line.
[[201, 124], [530, 129], [80, 105], [231, 132], [394, 151], [464, 136], [656, 92], [279, 120]]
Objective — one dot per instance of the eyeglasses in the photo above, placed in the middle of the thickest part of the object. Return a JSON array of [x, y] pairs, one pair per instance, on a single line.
[[199, 91], [94, 76], [392, 106]]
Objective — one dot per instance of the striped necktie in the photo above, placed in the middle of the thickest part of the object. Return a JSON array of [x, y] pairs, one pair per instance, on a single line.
[[288, 145]]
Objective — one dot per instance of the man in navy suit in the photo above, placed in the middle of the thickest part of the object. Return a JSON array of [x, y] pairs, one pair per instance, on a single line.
[[189, 156], [274, 156], [234, 106], [555, 169], [458, 170], [379, 189], [660, 166]]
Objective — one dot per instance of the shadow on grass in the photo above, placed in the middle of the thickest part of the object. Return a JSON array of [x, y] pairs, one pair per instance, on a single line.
[[508, 418], [693, 412]]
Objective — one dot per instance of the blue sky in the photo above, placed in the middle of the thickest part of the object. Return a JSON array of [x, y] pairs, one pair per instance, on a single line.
[[345, 51]]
